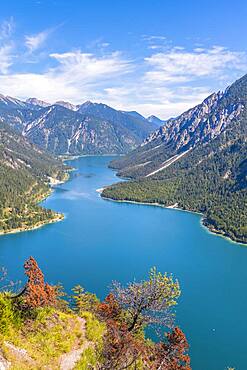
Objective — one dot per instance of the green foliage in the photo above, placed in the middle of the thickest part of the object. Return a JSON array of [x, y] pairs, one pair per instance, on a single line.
[[88, 360], [211, 179], [48, 336], [94, 328], [148, 302], [84, 301], [24, 172], [10, 316]]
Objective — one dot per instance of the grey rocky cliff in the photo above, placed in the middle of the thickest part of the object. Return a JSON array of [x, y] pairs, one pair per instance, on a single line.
[[193, 128]]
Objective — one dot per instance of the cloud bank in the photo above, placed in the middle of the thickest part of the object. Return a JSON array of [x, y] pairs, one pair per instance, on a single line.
[[164, 83]]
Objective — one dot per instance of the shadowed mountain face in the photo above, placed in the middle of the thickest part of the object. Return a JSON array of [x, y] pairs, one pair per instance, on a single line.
[[67, 129], [196, 162]]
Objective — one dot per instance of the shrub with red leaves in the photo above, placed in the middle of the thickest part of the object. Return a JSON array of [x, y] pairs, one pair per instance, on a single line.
[[125, 349], [37, 292], [171, 354], [122, 349], [109, 308]]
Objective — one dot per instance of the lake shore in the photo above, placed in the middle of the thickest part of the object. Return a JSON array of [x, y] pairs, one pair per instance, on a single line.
[[38, 225], [209, 228], [57, 216], [73, 157]]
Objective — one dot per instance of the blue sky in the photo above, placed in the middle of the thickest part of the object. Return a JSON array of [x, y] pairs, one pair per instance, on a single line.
[[156, 57]]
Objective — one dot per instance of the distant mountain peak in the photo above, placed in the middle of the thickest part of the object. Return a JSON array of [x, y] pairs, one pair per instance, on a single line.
[[40, 103], [87, 103], [9, 102], [65, 128], [157, 121], [67, 105], [134, 113]]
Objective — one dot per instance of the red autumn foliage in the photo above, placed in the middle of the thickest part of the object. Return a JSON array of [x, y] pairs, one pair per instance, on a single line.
[[121, 348], [109, 308], [172, 354], [37, 292]]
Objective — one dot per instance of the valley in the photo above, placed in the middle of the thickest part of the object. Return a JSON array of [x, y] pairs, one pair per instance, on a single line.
[[195, 162], [123, 185], [90, 239]]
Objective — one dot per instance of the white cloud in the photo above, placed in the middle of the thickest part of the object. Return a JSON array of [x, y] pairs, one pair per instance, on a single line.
[[165, 83], [34, 42], [6, 58], [154, 38], [77, 77], [177, 65], [162, 101], [7, 28], [6, 45], [176, 80], [77, 67]]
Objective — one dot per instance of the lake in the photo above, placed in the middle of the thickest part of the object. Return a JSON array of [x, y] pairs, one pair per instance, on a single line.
[[100, 241]]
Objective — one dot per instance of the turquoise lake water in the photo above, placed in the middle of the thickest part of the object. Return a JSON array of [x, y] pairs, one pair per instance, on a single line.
[[100, 241]]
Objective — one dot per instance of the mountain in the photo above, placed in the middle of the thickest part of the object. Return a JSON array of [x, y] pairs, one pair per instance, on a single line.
[[67, 129], [68, 105], [25, 172], [8, 102], [17, 116], [131, 120], [179, 135], [196, 162], [155, 120], [63, 131], [33, 102], [134, 114]]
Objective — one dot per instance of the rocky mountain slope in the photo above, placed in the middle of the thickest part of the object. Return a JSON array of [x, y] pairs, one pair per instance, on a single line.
[[196, 162], [86, 131], [67, 129], [178, 136]]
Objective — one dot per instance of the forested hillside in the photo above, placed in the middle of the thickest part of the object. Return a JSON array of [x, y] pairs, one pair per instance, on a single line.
[[25, 174], [210, 178]]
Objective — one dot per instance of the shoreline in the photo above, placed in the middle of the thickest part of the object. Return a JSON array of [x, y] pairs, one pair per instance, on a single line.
[[34, 227], [57, 216], [73, 157], [207, 228], [211, 230], [60, 216], [149, 204]]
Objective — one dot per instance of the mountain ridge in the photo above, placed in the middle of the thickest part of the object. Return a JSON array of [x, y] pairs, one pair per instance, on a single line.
[[66, 129], [197, 125], [207, 176]]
